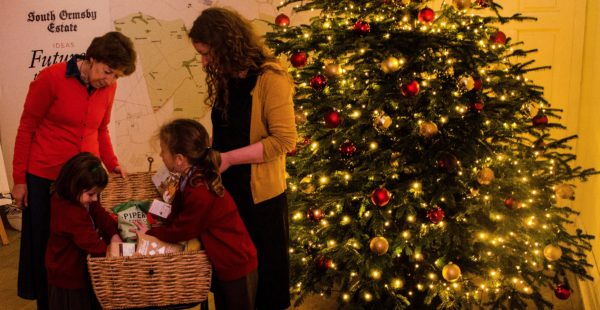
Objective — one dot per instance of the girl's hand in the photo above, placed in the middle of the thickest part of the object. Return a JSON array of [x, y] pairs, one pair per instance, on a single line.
[[116, 239], [141, 228]]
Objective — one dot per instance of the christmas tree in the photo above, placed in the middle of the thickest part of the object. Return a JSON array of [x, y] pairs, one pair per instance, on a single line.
[[426, 174]]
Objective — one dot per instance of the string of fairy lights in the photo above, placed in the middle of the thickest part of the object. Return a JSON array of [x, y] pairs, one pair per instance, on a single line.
[[528, 247]]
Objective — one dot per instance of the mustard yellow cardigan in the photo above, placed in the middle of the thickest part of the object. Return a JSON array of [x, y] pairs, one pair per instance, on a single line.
[[272, 122]]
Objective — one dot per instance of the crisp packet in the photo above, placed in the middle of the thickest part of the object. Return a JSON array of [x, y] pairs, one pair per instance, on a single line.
[[149, 245], [127, 214]]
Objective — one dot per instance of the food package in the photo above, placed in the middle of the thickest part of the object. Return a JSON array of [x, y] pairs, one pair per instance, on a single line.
[[166, 182], [116, 249], [160, 209], [149, 245], [127, 214]]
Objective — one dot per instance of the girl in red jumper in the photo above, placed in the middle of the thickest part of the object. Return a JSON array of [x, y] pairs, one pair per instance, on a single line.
[[79, 226], [203, 209]]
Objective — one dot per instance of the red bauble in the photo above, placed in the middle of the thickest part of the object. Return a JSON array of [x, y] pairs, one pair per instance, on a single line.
[[411, 89], [477, 106], [512, 203], [435, 215], [477, 84], [293, 152], [361, 27], [332, 119], [318, 82], [314, 215], [282, 20], [498, 37], [562, 292], [347, 149], [380, 197], [540, 120], [447, 162], [298, 59], [306, 140], [426, 15], [323, 263], [482, 3]]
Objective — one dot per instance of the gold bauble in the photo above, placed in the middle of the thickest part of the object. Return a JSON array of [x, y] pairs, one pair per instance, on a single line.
[[564, 191], [467, 82], [461, 4], [428, 129], [382, 122], [552, 252], [451, 272], [390, 64], [332, 70], [306, 185], [300, 118], [485, 176], [379, 245]]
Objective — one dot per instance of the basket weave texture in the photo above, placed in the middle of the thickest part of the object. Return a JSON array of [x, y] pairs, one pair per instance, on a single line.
[[146, 281]]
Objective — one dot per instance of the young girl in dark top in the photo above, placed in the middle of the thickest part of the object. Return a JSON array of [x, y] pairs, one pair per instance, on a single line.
[[79, 226], [203, 209]]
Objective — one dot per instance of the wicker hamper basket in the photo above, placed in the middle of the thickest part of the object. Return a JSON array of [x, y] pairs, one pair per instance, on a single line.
[[145, 281]]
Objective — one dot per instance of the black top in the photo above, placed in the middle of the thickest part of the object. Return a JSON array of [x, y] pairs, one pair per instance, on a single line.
[[233, 132]]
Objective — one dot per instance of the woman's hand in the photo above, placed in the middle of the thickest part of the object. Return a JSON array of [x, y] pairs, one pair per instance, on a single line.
[[120, 171], [19, 193], [225, 162]]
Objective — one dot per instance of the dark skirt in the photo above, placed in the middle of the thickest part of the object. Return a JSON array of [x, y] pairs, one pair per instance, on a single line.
[[72, 299], [267, 223], [35, 230]]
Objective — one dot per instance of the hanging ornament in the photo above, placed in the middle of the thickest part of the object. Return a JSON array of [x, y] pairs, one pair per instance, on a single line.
[[540, 120], [380, 196], [411, 89], [485, 176], [498, 37], [461, 4], [564, 191], [314, 215], [483, 3], [552, 252], [306, 140], [332, 119], [395, 159], [447, 162], [477, 84], [306, 185], [477, 106], [382, 122], [332, 70], [300, 118], [347, 149], [512, 203], [361, 27], [323, 264], [426, 15], [435, 215], [467, 82], [428, 129], [390, 64], [293, 152], [282, 20], [379, 245], [298, 59], [451, 272], [562, 292], [318, 82]]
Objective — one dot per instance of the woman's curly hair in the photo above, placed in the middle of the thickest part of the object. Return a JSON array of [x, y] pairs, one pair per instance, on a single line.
[[234, 48]]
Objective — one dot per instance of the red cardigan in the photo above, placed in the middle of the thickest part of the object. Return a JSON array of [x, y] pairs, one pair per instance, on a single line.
[[59, 120], [215, 221], [72, 237]]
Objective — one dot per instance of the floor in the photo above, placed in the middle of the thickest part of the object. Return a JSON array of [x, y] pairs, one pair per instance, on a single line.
[[10, 301]]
